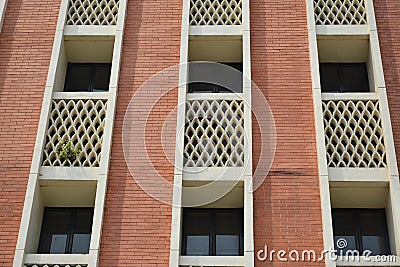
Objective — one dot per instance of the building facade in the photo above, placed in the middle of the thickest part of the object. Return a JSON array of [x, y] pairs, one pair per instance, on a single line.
[[199, 133]]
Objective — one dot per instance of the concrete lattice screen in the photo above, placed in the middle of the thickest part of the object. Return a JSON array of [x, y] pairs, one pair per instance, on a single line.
[[92, 12], [215, 12], [353, 134], [82, 122], [214, 133], [340, 12]]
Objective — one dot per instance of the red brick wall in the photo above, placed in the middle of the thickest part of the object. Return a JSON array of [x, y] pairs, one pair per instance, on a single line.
[[136, 229], [287, 209], [386, 13], [26, 41]]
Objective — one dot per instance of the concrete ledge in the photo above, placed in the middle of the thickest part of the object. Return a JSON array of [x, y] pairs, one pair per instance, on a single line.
[[211, 261], [358, 174], [85, 30], [60, 259], [213, 173], [216, 30], [68, 173], [342, 30]]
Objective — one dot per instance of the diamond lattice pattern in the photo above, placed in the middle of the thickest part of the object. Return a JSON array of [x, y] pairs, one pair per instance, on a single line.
[[82, 122], [215, 12], [353, 134], [92, 12], [214, 133], [340, 12]]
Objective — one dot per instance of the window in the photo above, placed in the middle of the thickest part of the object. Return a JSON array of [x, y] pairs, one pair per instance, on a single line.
[[363, 229], [87, 77], [212, 232], [344, 77], [66, 231], [215, 73]]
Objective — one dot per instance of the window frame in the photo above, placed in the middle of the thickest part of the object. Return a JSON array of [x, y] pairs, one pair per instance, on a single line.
[[356, 213], [42, 246], [216, 89], [93, 67], [212, 234], [340, 67]]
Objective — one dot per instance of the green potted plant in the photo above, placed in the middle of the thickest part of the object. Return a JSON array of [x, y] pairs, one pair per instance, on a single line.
[[68, 150]]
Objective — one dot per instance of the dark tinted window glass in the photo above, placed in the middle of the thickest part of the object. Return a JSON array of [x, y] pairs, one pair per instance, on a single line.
[[87, 77], [101, 78], [197, 233], [202, 87], [233, 82], [362, 229], [66, 230], [344, 77], [55, 236], [216, 232], [373, 232], [330, 81], [220, 76], [228, 234], [78, 78], [355, 78], [344, 228], [82, 232]]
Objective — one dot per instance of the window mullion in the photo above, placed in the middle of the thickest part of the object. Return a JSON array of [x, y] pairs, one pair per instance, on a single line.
[[92, 77], [184, 232], [212, 222], [386, 234], [215, 86], [366, 81], [340, 75], [357, 226], [70, 233]]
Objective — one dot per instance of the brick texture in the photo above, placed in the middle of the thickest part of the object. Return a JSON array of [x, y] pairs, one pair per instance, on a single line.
[[136, 229], [287, 209], [26, 41], [389, 40]]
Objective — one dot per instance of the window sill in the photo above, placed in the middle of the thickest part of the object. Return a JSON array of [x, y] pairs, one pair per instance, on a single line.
[[359, 174], [60, 259], [229, 174], [214, 96], [350, 96], [90, 30], [81, 95], [69, 173], [211, 261], [215, 30], [342, 29]]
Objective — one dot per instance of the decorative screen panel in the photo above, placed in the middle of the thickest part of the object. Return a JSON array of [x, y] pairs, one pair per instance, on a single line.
[[353, 134], [80, 121], [214, 133], [340, 12], [92, 12], [215, 12]]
